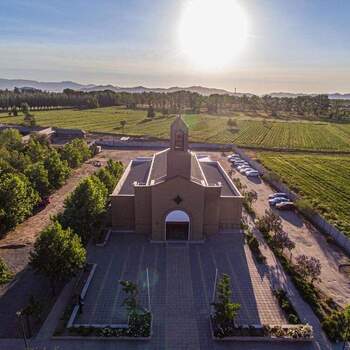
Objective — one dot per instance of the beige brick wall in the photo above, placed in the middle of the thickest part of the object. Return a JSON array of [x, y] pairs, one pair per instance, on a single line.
[[123, 212]]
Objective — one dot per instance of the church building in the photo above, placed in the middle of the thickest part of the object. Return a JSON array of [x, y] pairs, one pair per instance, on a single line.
[[176, 195]]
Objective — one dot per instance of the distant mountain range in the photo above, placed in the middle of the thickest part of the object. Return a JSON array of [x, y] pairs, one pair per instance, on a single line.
[[205, 91]]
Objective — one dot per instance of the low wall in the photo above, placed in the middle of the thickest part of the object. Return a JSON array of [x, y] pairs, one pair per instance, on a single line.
[[144, 144], [316, 219]]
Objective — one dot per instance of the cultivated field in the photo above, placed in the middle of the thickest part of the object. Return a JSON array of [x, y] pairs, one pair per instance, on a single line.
[[323, 180], [250, 131]]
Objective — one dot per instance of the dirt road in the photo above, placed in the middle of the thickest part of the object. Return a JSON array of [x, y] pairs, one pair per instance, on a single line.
[[308, 240]]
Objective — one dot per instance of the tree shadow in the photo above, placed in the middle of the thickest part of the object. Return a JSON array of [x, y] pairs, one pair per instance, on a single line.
[[16, 297]]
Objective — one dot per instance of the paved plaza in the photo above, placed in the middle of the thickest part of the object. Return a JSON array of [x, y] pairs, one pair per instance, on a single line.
[[181, 286]]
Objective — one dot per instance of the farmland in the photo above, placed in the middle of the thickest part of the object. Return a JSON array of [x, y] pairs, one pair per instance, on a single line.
[[322, 179], [253, 132]]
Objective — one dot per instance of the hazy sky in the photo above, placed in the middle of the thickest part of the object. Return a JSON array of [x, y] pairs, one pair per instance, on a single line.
[[297, 46]]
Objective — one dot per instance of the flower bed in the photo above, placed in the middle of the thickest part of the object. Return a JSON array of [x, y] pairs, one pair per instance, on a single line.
[[231, 331], [139, 327]]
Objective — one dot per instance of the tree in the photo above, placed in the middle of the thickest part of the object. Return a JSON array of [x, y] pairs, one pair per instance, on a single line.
[[122, 124], [225, 310], [151, 113], [5, 273], [25, 109], [308, 267], [58, 170], [85, 207], [39, 178], [36, 150], [58, 254], [270, 222], [11, 139], [107, 179], [337, 325], [281, 241], [231, 123], [17, 200], [76, 152]]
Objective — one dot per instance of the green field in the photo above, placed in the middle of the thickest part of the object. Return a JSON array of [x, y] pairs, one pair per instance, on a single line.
[[206, 128], [323, 180]]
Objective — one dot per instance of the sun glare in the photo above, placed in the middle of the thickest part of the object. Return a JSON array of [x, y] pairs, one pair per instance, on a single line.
[[212, 32]]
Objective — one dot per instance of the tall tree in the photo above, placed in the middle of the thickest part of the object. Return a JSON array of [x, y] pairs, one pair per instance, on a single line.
[[85, 207], [58, 254]]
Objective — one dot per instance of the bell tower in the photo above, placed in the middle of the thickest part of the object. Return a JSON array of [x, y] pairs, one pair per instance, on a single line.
[[179, 158], [179, 135]]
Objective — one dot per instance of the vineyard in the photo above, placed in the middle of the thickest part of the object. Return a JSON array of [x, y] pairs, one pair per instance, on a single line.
[[323, 180], [254, 132]]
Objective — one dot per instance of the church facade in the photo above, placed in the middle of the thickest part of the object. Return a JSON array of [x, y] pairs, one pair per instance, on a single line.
[[176, 195]]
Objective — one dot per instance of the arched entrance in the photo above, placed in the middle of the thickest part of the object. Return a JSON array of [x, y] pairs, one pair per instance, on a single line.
[[177, 226]]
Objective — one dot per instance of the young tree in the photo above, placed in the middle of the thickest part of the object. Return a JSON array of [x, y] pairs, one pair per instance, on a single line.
[[122, 124], [58, 170], [132, 292], [281, 241], [308, 267], [17, 199], [270, 222], [151, 113], [58, 254], [231, 123], [85, 207], [225, 309]]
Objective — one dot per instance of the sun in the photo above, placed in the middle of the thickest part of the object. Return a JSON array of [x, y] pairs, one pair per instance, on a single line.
[[211, 33]]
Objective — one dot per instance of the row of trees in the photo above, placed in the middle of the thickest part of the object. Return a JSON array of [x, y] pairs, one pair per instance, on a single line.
[[59, 251], [30, 172], [176, 102]]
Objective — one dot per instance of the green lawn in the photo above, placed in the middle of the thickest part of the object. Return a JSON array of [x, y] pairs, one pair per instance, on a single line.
[[323, 180], [207, 128]]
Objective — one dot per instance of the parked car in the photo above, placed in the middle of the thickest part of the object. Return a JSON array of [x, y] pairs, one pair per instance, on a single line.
[[285, 206], [244, 166], [252, 173], [234, 159], [277, 200], [243, 170], [278, 194], [233, 155]]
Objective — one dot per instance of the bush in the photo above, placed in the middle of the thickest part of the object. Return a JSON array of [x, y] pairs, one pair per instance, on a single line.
[[287, 306]]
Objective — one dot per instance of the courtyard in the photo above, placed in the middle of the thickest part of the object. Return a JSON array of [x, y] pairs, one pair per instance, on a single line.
[[182, 279]]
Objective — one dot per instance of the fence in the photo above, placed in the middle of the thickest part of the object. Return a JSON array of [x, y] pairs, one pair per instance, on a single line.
[[316, 219]]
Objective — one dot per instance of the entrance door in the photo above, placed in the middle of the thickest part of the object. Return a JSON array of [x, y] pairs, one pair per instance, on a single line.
[[177, 226]]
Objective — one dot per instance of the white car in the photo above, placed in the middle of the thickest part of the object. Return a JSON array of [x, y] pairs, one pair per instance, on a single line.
[[233, 155], [241, 166], [278, 194], [243, 170], [232, 160], [252, 173], [277, 200]]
